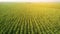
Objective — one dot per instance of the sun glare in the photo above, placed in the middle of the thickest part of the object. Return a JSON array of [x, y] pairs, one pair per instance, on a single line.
[[29, 0]]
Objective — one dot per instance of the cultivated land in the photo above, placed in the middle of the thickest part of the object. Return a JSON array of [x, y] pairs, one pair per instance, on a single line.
[[29, 18]]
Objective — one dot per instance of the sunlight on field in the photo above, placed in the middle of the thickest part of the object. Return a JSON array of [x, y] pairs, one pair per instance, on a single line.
[[29, 18]]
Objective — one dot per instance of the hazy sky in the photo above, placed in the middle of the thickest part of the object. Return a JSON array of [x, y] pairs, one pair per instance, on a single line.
[[29, 0]]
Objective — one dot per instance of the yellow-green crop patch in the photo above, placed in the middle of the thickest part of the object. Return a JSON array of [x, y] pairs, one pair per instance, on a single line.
[[29, 18]]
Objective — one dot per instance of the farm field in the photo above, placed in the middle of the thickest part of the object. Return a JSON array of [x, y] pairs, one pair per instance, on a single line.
[[29, 18]]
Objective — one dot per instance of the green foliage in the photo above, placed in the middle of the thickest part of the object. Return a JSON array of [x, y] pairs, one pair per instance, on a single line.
[[29, 18]]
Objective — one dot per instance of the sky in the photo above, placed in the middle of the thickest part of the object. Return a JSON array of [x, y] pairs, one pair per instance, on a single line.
[[29, 0]]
